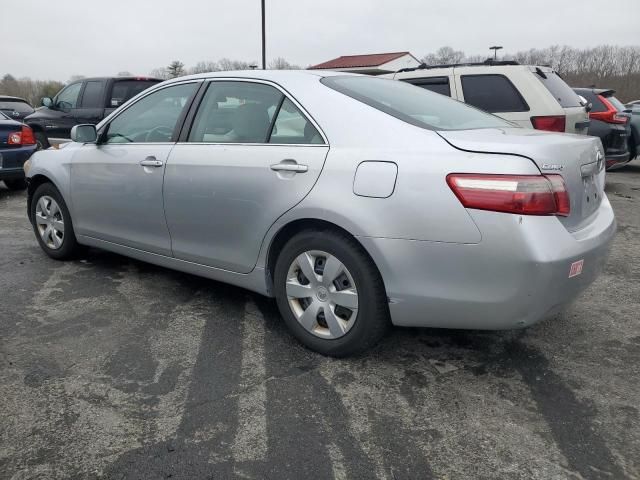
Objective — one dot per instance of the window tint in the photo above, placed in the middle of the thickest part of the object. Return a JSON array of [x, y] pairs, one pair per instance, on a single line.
[[562, 92], [416, 106], [92, 96], [436, 84], [68, 98], [235, 112], [123, 90], [492, 93], [15, 106], [152, 118], [291, 126], [592, 98]]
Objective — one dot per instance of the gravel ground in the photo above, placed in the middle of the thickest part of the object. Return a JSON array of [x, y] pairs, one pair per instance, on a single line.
[[116, 369]]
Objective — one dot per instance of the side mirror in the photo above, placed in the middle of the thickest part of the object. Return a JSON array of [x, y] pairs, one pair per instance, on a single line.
[[46, 102], [589, 107], [85, 133]]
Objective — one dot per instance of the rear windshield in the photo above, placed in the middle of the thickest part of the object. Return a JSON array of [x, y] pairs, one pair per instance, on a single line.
[[16, 106], [123, 90], [414, 105], [616, 103], [558, 88]]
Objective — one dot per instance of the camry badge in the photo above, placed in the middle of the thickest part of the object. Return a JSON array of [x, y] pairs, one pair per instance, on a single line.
[[552, 166]]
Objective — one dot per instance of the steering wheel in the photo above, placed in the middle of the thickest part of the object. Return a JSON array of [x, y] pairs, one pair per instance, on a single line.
[[160, 130]]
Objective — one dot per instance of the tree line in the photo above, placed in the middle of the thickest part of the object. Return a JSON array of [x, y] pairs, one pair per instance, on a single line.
[[606, 66]]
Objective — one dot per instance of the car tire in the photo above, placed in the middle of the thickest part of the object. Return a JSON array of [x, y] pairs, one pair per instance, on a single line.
[[365, 326], [53, 212], [16, 184], [42, 141]]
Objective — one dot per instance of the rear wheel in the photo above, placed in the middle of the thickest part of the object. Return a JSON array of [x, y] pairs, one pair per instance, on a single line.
[[42, 141], [52, 223], [330, 293], [16, 184]]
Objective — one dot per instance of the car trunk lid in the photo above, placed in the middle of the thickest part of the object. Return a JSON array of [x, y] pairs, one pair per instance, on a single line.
[[579, 159]]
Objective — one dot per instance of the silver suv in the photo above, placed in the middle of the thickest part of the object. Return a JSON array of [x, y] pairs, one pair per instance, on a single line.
[[531, 96]]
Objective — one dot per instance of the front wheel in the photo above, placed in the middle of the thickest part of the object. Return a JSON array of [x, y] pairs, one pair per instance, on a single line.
[[52, 223], [330, 293]]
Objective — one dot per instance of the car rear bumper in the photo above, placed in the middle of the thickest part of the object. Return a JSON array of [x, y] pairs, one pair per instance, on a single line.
[[517, 275], [12, 161]]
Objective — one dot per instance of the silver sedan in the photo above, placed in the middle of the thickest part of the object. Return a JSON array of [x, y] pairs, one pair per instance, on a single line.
[[356, 202]]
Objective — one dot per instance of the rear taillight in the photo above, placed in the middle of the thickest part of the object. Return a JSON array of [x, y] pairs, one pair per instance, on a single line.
[[23, 137], [552, 123], [519, 194], [610, 115]]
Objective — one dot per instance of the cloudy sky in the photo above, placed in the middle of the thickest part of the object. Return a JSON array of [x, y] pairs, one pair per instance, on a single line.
[[55, 40]]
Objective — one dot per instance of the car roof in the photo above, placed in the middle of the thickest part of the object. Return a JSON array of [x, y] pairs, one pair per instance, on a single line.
[[269, 75], [95, 79], [14, 99]]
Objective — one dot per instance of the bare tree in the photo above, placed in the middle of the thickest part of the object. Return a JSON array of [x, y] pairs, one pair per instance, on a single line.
[[160, 72], [175, 69], [280, 63], [204, 67]]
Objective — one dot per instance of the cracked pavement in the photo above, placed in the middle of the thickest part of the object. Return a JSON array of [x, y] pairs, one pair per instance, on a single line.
[[116, 369]]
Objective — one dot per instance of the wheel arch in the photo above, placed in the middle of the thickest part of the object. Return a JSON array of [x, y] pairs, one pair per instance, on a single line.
[[33, 183], [294, 227]]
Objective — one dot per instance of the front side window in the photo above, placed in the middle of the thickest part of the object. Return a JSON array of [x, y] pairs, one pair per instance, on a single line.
[[414, 105], [68, 98], [152, 118], [235, 112], [492, 93]]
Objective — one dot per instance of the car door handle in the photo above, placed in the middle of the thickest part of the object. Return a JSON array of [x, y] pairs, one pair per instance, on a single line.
[[289, 167], [151, 162]]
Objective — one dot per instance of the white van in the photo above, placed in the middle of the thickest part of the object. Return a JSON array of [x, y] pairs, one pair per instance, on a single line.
[[531, 96]]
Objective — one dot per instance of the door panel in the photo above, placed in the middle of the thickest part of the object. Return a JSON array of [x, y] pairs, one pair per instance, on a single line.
[[118, 200], [220, 200]]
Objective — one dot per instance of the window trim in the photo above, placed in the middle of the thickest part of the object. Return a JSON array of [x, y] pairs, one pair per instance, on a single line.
[[104, 129], [189, 120], [464, 98], [80, 82]]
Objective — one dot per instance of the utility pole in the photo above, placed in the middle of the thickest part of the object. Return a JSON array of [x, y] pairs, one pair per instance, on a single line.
[[264, 51], [494, 48]]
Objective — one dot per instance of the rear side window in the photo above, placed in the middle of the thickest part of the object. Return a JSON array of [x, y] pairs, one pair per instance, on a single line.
[[123, 90], [435, 84], [492, 93], [92, 96], [562, 92], [291, 126], [592, 98], [15, 106]]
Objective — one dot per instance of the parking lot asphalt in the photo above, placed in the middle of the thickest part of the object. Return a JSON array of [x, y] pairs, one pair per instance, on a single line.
[[112, 368]]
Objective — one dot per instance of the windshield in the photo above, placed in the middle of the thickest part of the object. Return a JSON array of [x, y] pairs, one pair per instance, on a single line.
[[414, 105], [558, 88]]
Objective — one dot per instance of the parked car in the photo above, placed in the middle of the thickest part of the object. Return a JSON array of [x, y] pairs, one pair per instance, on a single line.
[[634, 144], [528, 95], [383, 202], [85, 101], [609, 122], [17, 143], [15, 108]]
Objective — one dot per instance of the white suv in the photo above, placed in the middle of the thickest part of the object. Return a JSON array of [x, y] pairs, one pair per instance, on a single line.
[[531, 96]]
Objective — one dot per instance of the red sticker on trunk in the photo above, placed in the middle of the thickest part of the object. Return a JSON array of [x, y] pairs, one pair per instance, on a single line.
[[576, 268]]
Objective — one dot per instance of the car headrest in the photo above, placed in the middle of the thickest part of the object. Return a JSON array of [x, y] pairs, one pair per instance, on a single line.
[[251, 123]]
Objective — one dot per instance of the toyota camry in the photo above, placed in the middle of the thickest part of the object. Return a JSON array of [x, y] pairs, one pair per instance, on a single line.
[[357, 202]]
